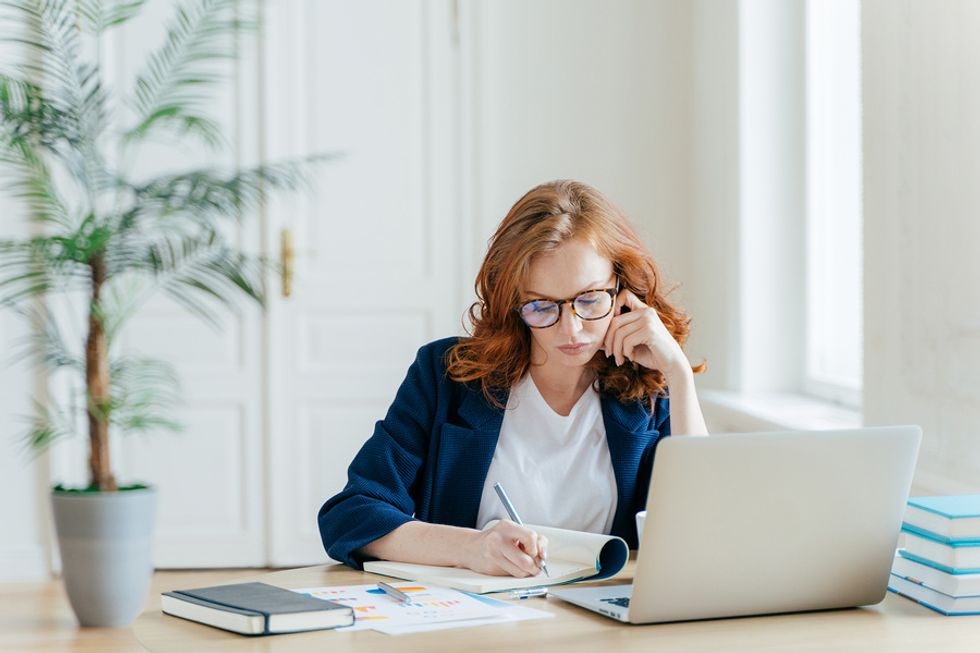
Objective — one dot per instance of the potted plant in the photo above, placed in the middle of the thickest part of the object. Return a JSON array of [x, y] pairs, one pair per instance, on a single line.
[[109, 239]]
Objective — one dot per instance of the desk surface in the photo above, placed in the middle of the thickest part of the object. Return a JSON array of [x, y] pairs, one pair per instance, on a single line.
[[895, 624]]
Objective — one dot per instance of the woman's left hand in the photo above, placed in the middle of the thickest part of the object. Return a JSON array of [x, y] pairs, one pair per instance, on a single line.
[[641, 336]]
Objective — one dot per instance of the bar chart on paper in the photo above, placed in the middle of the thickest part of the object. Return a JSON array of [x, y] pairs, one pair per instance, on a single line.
[[430, 606]]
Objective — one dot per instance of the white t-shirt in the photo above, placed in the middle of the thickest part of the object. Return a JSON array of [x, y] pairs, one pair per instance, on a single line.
[[556, 469]]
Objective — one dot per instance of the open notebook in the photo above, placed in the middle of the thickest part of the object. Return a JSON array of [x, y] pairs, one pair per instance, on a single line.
[[572, 556]]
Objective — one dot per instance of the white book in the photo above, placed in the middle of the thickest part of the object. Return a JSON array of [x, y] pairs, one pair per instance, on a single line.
[[937, 579], [948, 605], [954, 556], [572, 556]]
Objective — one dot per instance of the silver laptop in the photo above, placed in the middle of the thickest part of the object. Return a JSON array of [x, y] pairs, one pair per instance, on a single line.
[[762, 523]]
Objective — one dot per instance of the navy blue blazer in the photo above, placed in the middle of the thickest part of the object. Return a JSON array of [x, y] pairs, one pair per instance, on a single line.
[[429, 457]]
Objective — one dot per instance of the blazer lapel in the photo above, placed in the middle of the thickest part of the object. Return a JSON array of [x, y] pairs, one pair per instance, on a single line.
[[479, 414], [465, 454]]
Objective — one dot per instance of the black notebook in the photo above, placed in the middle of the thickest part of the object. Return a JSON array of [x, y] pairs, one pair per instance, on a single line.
[[255, 609]]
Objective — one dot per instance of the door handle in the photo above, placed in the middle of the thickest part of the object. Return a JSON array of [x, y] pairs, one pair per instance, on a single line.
[[287, 254]]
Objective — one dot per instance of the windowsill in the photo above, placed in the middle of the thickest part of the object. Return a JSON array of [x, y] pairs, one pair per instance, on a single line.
[[733, 412]]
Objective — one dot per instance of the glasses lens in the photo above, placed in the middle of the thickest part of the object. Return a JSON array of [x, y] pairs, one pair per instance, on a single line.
[[540, 313], [593, 305]]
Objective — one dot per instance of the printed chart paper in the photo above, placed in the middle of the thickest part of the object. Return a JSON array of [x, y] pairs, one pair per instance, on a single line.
[[432, 608]]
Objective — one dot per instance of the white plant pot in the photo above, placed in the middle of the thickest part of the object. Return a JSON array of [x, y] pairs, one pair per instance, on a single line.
[[106, 539]]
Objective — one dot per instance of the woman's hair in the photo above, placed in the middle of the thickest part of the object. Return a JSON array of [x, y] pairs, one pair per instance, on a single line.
[[498, 352]]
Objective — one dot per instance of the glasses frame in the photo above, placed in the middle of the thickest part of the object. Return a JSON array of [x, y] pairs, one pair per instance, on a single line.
[[571, 302]]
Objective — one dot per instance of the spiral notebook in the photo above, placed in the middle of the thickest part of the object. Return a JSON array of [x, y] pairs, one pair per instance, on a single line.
[[572, 556]]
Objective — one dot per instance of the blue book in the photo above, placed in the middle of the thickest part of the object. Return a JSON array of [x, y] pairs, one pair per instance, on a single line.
[[950, 519]]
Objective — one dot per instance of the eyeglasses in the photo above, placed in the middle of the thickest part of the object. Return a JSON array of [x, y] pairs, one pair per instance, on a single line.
[[590, 305]]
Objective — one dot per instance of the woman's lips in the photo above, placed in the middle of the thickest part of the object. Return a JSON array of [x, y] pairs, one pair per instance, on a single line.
[[574, 349]]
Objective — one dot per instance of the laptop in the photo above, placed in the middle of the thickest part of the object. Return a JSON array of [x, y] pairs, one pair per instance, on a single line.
[[764, 523]]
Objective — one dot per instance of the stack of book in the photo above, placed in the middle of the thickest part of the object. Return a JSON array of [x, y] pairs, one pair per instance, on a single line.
[[940, 564]]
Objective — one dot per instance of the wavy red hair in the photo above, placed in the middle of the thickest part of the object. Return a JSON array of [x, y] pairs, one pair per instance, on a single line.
[[498, 351]]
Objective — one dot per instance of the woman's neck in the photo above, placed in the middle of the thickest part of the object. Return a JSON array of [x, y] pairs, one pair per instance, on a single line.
[[560, 386]]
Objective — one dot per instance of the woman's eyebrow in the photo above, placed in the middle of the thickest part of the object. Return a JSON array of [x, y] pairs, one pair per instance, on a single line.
[[591, 286]]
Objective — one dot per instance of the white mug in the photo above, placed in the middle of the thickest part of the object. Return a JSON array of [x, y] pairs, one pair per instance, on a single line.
[[640, 518]]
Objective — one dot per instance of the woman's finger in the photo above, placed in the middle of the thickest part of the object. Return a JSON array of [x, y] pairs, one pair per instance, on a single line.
[[616, 324], [527, 538], [620, 302], [532, 548], [522, 561], [639, 336], [621, 334], [506, 566], [633, 301]]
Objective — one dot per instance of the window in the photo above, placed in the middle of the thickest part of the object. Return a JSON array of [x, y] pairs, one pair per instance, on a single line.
[[834, 324]]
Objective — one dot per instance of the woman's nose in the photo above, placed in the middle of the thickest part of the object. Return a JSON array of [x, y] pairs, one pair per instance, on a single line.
[[568, 321]]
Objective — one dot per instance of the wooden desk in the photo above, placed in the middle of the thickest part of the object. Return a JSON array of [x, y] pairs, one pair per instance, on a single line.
[[895, 624]]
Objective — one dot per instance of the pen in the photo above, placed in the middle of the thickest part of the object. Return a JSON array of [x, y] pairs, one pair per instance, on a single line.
[[394, 592], [515, 517], [528, 592]]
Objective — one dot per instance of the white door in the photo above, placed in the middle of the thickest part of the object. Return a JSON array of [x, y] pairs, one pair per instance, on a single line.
[[376, 248]]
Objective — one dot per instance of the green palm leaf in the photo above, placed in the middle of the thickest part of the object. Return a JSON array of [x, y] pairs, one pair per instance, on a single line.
[[34, 267], [176, 82], [30, 181], [100, 15], [48, 425], [144, 393], [208, 193], [67, 91], [45, 344]]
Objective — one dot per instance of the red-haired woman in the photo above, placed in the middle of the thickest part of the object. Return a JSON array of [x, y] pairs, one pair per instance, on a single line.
[[560, 394]]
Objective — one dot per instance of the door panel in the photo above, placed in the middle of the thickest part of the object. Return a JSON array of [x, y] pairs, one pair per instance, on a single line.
[[376, 273]]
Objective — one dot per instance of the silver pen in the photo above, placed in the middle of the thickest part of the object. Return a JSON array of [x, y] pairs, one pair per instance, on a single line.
[[509, 507], [394, 592]]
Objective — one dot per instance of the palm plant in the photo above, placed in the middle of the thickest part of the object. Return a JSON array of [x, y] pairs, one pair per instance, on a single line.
[[103, 233]]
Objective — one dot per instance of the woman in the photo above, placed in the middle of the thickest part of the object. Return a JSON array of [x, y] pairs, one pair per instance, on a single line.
[[560, 395]]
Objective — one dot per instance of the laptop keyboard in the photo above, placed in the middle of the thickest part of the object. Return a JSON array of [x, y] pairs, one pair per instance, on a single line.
[[623, 602]]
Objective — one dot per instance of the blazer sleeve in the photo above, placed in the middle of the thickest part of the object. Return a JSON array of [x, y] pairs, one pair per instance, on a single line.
[[382, 479]]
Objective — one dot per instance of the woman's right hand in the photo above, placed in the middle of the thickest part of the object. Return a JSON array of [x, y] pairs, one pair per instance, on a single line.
[[505, 549]]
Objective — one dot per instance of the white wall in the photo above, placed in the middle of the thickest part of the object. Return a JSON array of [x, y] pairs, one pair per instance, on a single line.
[[922, 230], [746, 134], [714, 192], [588, 90], [23, 547]]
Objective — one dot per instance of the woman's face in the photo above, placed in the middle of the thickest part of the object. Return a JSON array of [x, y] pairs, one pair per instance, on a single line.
[[565, 273]]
